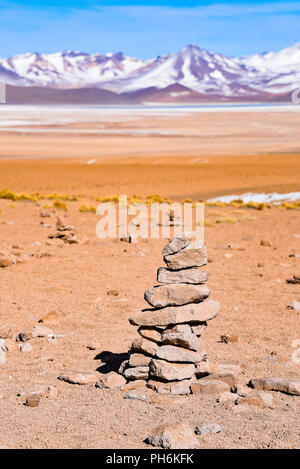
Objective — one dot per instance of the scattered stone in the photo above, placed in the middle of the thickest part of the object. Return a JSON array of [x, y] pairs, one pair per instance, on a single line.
[[138, 372], [285, 385], [241, 390], [50, 318], [258, 399], [228, 378], [192, 313], [226, 338], [6, 261], [11, 345], [137, 384], [295, 280], [209, 386], [232, 368], [172, 353], [208, 429], [175, 295], [49, 392], [33, 400], [295, 305], [135, 395], [44, 214], [5, 332], [171, 371], [42, 331], [112, 293], [227, 397], [265, 243], [174, 436], [191, 256], [2, 352], [23, 337], [79, 377], [94, 345], [25, 347], [111, 380], [193, 276]]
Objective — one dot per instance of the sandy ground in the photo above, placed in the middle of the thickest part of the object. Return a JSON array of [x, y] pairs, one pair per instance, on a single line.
[[73, 280]]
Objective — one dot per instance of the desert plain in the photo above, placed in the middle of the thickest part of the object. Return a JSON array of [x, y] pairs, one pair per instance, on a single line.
[[74, 158]]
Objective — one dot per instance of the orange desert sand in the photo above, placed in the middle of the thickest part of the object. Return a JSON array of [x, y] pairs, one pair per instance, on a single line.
[[93, 286]]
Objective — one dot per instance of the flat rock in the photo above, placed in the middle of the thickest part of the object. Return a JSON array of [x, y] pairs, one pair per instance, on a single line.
[[50, 318], [138, 372], [134, 394], [111, 380], [228, 378], [285, 385], [227, 396], [144, 346], [25, 347], [258, 399], [174, 436], [191, 256], [138, 384], [295, 305], [175, 245], [43, 390], [194, 276], [227, 338], [209, 386], [175, 295], [42, 331], [79, 377], [171, 371], [150, 334], [171, 353], [174, 388], [203, 369], [33, 400], [182, 338], [208, 429], [192, 313], [138, 359]]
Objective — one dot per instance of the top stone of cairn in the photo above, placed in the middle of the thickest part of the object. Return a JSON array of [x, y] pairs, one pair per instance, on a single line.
[[180, 253]]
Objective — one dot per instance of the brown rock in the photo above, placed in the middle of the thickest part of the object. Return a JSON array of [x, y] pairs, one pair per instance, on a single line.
[[136, 395], [41, 331], [182, 336], [174, 388], [150, 334], [138, 384], [285, 385], [49, 392], [192, 313], [209, 386], [174, 436], [144, 346], [265, 243], [11, 345], [203, 369], [112, 293], [138, 359], [5, 332], [194, 276], [228, 378], [50, 318], [138, 372], [226, 338], [175, 295], [111, 380], [33, 400], [175, 245], [6, 261], [171, 371], [175, 354], [191, 256], [232, 368], [79, 377], [258, 399]]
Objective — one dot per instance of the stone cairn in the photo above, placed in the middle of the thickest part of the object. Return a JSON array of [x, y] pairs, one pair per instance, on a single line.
[[169, 354]]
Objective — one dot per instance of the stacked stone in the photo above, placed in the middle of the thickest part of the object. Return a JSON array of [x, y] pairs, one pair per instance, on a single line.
[[169, 350]]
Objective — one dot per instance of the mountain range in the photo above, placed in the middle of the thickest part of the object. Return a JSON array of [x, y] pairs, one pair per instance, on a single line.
[[190, 75]]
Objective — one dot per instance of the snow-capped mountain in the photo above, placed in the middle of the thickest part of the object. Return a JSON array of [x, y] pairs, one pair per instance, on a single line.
[[66, 69], [193, 68]]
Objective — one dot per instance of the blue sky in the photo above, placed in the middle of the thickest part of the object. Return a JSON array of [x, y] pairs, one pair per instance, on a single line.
[[148, 28]]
